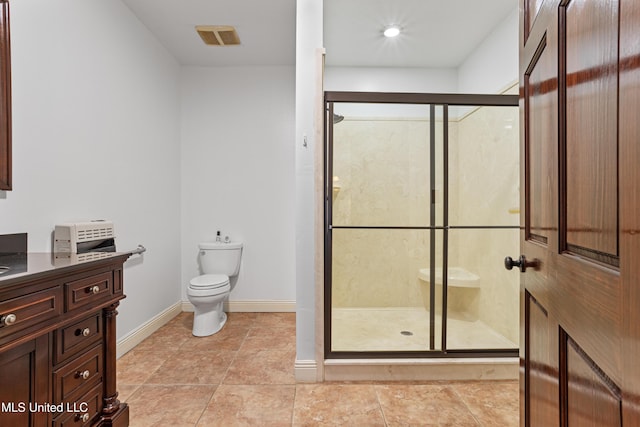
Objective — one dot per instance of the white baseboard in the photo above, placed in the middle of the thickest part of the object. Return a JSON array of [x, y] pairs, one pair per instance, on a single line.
[[252, 306], [138, 335], [306, 371]]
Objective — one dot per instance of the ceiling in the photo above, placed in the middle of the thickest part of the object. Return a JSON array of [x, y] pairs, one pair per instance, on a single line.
[[436, 33], [267, 29]]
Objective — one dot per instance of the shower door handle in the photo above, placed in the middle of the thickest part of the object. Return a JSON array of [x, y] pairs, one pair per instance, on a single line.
[[521, 263]]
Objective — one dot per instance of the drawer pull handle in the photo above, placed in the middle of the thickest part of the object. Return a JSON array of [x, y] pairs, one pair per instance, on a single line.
[[84, 417], [94, 289], [9, 319], [86, 332], [84, 374]]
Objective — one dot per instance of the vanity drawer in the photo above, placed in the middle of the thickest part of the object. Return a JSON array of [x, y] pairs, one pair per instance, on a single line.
[[77, 376], [81, 412], [27, 310], [87, 290], [78, 336]]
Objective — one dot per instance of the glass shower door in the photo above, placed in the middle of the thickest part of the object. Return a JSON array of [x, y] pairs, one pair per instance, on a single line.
[[484, 219], [421, 200], [382, 186]]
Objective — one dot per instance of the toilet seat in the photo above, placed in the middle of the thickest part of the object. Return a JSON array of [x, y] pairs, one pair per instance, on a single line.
[[209, 281], [209, 285], [212, 292]]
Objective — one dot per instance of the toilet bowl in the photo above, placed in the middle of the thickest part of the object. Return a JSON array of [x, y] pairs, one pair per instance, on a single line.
[[207, 293]]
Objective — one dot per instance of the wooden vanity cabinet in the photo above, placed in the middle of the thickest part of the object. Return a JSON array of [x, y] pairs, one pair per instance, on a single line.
[[58, 345], [24, 370]]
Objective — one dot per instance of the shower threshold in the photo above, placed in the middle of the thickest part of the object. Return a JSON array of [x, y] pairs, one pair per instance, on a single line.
[[439, 369], [407, 329]]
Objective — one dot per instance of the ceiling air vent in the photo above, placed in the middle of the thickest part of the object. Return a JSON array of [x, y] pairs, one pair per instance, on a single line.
[[218, 35]]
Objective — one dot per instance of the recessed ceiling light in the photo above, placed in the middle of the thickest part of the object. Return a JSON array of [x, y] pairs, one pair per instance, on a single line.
[[391, 31]]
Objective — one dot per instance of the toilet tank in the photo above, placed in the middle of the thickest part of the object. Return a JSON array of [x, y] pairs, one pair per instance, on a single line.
[[220, 258]]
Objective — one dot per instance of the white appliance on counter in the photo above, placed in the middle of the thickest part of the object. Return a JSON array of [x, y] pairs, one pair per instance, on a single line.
[[82, 237]]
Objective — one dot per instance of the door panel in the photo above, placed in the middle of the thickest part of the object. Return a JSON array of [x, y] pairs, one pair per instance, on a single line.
[[542, 385], [592, 398], [593, 316], [531, 9], [591, 128], [541, 131], [579, 64]]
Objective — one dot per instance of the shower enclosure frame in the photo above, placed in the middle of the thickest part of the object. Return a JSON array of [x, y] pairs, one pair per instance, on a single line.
[[432, 100]]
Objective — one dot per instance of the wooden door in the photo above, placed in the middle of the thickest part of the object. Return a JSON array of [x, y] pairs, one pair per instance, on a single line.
[[580, 288]]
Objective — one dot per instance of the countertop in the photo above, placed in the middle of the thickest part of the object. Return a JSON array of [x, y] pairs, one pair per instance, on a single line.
[[33, 264]]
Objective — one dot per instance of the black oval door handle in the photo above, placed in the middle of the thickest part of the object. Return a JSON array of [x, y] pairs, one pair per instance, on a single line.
[[521, 263]]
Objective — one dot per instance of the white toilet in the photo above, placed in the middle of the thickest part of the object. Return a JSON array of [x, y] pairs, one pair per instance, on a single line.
[[218, 261]]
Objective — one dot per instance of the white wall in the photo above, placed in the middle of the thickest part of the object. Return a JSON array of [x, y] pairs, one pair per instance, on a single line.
[[96, 135], [493, 65], [491, 68], [309, 16], [238, 173], [370, 79]]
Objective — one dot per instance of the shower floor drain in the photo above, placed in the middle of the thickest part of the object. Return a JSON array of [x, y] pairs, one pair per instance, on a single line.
[[406, 333]]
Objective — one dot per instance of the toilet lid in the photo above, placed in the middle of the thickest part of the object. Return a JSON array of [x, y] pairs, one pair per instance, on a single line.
[[209, 281]]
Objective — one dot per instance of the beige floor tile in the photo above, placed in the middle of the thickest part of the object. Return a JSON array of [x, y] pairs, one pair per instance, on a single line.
[[229, 338], [336, 405], [424, 405], [492, 403], [277, 338], [168, 405], [167, 338], [137, 366], [262, 367], [275, 320], [126, 390], [193, 367], [250, 405], [183, 320], [241, 319]]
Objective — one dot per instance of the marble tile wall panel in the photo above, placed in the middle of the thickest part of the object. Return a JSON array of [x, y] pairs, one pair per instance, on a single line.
[[382, 167]]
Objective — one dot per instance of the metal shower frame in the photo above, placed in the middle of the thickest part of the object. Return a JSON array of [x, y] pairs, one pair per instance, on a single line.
[[433, 100]]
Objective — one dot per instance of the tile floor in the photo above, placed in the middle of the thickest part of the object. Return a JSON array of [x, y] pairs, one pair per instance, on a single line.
[[243, 376]]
